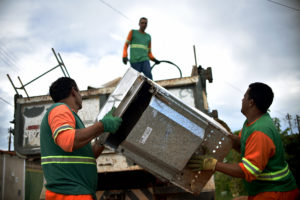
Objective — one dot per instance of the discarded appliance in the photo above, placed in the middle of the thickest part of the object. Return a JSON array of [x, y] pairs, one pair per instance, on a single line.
[[160, 133]]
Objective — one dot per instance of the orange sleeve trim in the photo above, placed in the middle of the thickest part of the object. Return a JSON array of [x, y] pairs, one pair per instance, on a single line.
[[128, 40], [66, 140], [150, 52], [62, 123], [258, 150]]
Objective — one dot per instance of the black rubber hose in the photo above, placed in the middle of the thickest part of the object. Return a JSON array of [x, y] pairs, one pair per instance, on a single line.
[[169, 62]]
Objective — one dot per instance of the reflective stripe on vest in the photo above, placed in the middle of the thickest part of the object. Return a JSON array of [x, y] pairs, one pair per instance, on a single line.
[[61, 128], [251, 168], [139, 46], [271, 176], [274, 176], [68, 160]]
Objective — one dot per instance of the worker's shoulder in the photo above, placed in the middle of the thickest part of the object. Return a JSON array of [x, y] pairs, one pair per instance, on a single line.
[[139, 32], [60, 108]]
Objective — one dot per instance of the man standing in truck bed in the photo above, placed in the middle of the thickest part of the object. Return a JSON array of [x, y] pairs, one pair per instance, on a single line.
[[67, 156], [140, 49]]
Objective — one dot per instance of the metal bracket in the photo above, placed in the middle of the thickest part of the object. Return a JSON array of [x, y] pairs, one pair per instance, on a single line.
[[60, 64]]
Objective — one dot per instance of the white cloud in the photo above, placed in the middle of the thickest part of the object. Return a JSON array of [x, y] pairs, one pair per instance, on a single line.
[[242, 41], [86, 73]]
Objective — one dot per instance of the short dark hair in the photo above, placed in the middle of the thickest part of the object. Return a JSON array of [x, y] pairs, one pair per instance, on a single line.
[[262, 95], [143, 18], [61, 88]]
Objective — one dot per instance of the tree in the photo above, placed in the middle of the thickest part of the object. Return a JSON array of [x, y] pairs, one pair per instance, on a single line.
[[291, 144], [234, 186]]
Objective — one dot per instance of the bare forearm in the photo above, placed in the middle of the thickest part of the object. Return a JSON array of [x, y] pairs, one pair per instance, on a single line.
[[85, 135], [236, 142], [97, 149], [230, 169]]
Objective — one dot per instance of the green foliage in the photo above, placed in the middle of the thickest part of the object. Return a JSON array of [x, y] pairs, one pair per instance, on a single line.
[[224, 182], [234, 186], [277, 123], [291, 145]]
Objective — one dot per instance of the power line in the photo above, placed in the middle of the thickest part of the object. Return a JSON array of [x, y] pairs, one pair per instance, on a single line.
[[8, 64], [6, 60], [7, 57], [284, 5], [7, 53], [5, 101], [234, 87], [116, 10]]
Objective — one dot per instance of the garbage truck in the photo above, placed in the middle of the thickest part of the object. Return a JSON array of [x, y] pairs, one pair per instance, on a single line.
[[123, 173]]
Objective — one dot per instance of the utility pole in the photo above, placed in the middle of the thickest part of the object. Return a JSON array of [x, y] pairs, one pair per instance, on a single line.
[[10, 131], [195, 55], [298, 123], [289, 117]]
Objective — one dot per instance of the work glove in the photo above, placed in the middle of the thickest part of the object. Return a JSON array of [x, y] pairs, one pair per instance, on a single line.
[[204, 162], [156, 61], [125, 60], [111, 123]]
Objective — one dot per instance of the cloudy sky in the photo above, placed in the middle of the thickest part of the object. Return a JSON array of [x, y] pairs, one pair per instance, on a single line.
[[243, 41]]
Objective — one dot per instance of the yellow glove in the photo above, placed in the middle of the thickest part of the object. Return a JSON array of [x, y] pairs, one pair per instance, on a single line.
[[204, 162]]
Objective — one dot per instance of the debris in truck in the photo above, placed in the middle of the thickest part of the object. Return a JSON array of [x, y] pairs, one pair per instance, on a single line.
[[160, 133]]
